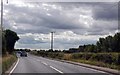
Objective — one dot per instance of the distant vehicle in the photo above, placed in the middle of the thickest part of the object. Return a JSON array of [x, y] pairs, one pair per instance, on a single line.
[[23, 54], [19, 52]]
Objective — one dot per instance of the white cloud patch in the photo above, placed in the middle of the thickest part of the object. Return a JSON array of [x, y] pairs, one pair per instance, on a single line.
[[62, 40]]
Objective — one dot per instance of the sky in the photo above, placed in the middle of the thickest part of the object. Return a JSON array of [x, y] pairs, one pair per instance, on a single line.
[[73, 23]]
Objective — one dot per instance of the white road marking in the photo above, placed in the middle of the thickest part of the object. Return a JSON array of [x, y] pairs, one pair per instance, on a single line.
[[14, 67], [56, 69], [44, 63], [41, 62]]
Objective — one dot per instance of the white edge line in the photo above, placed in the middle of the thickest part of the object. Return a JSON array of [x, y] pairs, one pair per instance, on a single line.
[[14, 66], [56, 70]]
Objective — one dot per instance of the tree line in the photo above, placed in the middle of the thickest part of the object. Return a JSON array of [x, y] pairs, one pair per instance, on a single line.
[[107, 44]]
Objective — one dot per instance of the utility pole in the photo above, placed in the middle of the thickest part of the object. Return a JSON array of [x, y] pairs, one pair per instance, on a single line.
[[52, 40], [1, 15], [1, 26]]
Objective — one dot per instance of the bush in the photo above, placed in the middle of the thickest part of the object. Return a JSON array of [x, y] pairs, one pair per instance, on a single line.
[[110, 58], [77, 55]]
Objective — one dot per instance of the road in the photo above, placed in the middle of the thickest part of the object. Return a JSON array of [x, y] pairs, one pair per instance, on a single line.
[[35, 64]]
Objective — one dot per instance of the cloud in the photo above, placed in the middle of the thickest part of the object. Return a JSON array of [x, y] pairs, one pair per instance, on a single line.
[[30, 38], [108, 11], [63, 40], [73, 23]]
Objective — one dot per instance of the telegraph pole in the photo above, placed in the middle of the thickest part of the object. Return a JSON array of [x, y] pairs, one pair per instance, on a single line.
[[1, 15], [52, 40], [1, 26]]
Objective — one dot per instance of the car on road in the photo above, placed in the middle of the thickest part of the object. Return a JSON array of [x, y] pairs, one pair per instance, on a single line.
[[23, 54], [19, 52]]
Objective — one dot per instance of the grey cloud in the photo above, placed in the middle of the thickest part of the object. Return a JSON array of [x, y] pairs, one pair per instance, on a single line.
[[66, 18], [108, 11], [25, 15], [40, 22], [101, 10]]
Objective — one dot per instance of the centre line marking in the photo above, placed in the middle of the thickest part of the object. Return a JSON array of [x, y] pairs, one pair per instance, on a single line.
[[44, 63], [56, 69]]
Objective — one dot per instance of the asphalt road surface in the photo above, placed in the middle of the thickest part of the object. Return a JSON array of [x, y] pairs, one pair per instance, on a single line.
[[35, 64]]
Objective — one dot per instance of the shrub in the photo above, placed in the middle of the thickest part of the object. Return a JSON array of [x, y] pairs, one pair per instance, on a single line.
[[77, 55], [110, 58]]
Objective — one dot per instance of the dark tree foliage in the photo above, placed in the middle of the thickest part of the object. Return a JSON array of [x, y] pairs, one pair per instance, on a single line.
[[73, 50], [9, 40], [116, 42], [27, 50], [3, 44], [107, 44], [88, 48]]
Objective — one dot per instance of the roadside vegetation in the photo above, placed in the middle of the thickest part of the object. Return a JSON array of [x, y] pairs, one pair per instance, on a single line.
[[9, 39], [7, 61], [106, 53]]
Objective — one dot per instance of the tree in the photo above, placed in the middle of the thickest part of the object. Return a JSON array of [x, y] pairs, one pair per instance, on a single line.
[[101, 45], [3, 44], [109, 44], [116, 42], [10, 38]]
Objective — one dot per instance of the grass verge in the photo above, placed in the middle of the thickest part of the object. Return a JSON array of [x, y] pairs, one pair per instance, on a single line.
[[7, 62], [97, 63]]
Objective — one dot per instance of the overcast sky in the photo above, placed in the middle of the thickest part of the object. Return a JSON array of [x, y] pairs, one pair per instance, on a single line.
[[74, 23]]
